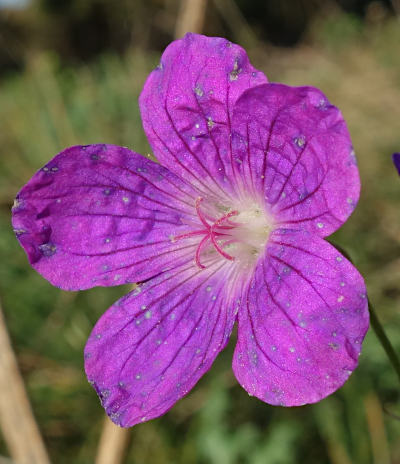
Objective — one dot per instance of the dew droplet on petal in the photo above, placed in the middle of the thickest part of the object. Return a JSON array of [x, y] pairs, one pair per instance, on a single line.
[[198, 91], [234, 74], [48, 249], [17, 203], [299, 141], [19, 231]]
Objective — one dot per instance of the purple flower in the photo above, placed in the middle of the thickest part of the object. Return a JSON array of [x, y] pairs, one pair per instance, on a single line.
[[396, 161], [228, 228]]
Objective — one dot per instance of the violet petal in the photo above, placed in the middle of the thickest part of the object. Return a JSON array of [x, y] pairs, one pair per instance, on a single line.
[[150, 348], [295, 148], [302, 323], [187, 106], [102, 215]]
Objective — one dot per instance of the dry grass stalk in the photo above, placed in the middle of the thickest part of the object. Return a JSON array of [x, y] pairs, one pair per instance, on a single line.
[[376, 427], [190, 17], [4, 460], [237, 23], [112, 445], [17, 423]]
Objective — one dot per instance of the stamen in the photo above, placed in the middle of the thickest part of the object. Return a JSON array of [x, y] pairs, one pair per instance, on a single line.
[[213, 234], [190, 234], [198, 251], [221, 220], [199, 213], [220, 250]]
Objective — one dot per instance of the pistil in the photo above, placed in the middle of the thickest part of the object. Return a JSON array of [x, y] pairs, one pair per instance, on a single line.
[[212, 232]]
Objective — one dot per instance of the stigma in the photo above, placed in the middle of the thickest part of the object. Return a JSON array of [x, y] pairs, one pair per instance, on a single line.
[[238, 232]]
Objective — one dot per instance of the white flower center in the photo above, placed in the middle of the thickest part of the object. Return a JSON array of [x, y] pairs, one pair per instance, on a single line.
[[236, 233]]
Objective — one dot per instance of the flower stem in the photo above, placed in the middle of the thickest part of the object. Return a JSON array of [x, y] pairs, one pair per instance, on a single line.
[[383, 339]]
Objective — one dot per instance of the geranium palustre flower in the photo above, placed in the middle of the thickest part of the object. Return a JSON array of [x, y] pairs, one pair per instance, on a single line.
[[227, 229]]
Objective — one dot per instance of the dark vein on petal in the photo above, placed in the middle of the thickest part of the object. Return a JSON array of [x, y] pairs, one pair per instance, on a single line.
[[294, 324], [304, 219], [293, 205], [209, 131], [117, 188], [183, 141], [229, 127], [148, 182], [300, 274], [175, 159], [137, 174], [267, 148], [304, 250], [249, 159], [134, 247], [254, 332], [288, 176], [120, 216], [149, 259]]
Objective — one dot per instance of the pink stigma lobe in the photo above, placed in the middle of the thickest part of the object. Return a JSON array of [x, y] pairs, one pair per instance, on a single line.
[[212, 233]]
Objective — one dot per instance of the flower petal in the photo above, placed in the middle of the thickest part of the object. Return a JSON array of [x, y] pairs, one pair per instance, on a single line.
[[150, 348], [295, 148], [396, 161], [303, 322], [102, 215], [187, 104]]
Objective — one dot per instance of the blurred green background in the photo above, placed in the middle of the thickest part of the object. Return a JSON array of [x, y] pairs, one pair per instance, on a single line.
[[71, 73]]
